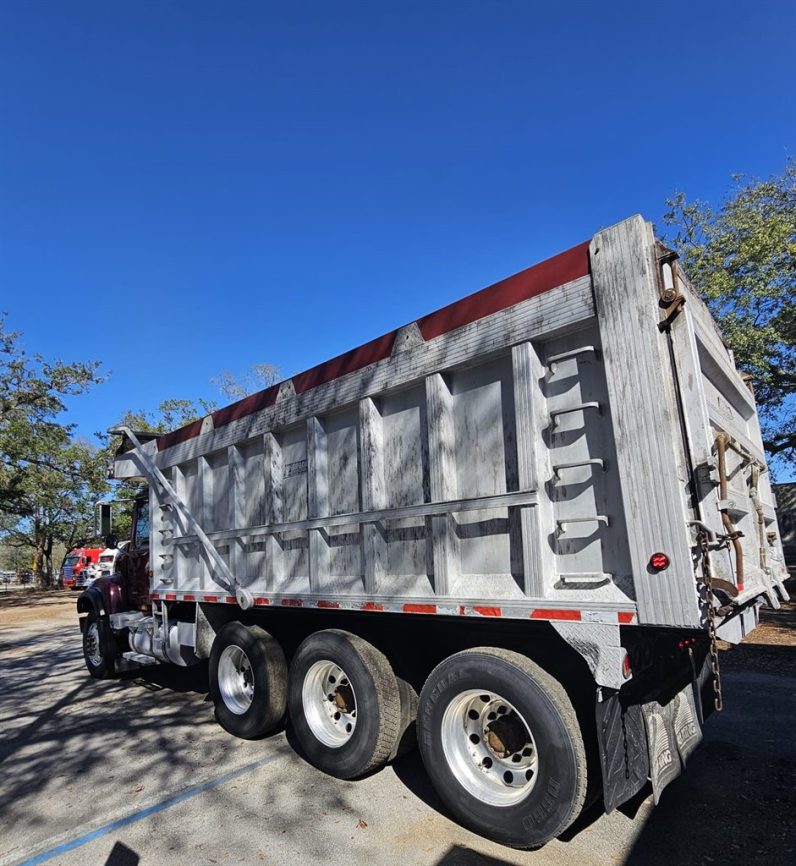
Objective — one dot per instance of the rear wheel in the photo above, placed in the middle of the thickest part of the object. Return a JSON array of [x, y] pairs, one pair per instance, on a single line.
[[248, 680], [345, 705], [502, 746], [99, 647]]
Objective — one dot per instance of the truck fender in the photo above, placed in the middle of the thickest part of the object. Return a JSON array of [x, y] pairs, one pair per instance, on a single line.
[[89, 601]]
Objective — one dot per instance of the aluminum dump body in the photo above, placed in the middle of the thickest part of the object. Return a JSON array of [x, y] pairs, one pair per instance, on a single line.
[[520, 453]]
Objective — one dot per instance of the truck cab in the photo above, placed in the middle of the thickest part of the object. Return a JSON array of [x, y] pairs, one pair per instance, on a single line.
[[78, 567]]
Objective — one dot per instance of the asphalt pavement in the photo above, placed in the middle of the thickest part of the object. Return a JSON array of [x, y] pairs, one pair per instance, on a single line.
[[136, 771]]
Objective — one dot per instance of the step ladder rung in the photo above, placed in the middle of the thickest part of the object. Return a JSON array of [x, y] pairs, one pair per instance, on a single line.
[[572, 353], [594, 461], [580, 407], [561, 525]]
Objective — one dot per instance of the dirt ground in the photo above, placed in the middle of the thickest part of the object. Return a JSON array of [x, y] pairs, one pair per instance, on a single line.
[[32, 605]]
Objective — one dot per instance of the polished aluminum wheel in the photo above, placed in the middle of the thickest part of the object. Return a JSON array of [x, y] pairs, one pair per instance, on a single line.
[[235, 679], [91, 641], [489, 747], [329, 702]]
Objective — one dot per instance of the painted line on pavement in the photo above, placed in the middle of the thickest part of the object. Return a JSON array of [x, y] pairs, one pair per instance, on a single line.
[[145, 813]]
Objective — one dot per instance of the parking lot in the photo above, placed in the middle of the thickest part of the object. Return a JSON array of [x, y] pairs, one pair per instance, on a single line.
[[136, 771]]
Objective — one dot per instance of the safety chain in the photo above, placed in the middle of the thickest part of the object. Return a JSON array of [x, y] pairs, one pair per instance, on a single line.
[[707, 580]]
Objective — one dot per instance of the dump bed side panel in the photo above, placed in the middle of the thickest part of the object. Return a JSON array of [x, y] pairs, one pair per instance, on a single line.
[[473, 471], [522, 453]]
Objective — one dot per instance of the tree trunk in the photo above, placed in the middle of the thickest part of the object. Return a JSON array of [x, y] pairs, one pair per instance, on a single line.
[[38, 554], [48, 560]]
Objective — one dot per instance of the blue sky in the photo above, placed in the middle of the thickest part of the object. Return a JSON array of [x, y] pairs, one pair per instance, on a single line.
[[192, 187]]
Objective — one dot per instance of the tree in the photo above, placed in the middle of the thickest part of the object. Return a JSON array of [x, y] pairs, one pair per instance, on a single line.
[[57, 507], [46, 479], [742, 258]]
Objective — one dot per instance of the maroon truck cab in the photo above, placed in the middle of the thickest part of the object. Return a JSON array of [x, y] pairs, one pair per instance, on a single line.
[[128, 588]]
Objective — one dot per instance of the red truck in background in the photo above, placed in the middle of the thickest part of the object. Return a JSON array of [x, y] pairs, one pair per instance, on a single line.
[[74, 571]]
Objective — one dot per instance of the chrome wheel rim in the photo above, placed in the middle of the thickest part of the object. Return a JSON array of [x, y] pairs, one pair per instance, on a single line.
[[330, 705], [92, 644], [489, 747], [235, 680]]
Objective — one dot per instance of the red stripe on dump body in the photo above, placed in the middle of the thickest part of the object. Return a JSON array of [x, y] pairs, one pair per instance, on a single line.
[[348, 362], [291, 602], [329, 604], [262, 602], [549, 274], [170, 596], [420, 608], [625, 616], [488, 611], [247, 406], [211, 598], [183, 434], [371, 605], [187, 597], [551, 613]]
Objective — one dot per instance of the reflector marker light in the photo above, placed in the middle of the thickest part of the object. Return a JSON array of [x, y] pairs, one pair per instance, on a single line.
[[659, 561]]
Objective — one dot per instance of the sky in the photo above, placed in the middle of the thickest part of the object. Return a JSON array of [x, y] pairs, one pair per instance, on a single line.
[[192, 187]]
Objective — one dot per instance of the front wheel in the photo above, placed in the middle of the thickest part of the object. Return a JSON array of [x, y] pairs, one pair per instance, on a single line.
[[99, 647], [502, 746]]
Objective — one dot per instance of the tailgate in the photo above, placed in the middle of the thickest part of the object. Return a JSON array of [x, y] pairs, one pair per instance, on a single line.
[[730, 478]]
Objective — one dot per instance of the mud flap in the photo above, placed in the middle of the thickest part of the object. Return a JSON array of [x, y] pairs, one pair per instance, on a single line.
[[673, 732], [623, 750]]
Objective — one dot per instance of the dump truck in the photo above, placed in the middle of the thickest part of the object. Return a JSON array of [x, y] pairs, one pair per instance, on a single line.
[[511, 531]]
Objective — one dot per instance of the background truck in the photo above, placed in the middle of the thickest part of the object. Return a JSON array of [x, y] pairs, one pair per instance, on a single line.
[[77, 566], [106, 563], [517, 524]]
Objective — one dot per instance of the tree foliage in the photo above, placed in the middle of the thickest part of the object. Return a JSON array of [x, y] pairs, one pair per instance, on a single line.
[[742, 258], [48, 482]]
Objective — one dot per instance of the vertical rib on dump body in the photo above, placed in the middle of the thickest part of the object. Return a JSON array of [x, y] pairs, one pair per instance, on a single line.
[[519, 453]]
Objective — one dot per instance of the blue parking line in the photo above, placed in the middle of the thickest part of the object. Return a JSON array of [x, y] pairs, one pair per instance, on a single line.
[[145, 813]]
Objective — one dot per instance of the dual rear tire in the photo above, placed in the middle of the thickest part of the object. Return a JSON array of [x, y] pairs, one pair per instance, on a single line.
[[344, 701], [498, 736]]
